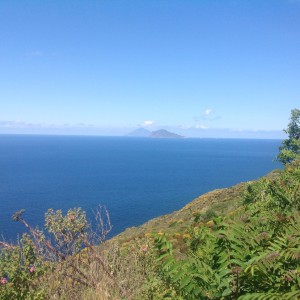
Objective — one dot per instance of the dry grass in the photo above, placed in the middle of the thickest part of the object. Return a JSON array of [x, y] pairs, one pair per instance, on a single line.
[[130, 266]]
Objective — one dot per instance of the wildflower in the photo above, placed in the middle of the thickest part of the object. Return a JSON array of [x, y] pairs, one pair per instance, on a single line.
[[3, 280], [31, 269], [210, 223], [186, 236], [144, 248]]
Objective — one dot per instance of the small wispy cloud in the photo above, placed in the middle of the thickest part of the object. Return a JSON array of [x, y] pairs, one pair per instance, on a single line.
[[201, 126], [147, 123], [208, 112], [208, 115], [17, 124]]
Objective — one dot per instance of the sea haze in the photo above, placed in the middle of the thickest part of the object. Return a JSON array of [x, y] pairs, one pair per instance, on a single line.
[[136, 178]]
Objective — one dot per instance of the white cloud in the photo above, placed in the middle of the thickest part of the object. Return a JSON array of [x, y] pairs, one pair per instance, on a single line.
[[209, 115], [200, 126], [208, 111], [147, 123]]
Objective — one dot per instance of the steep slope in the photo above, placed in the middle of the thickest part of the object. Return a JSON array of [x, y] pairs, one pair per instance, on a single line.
[[217, 201], [213, 203]]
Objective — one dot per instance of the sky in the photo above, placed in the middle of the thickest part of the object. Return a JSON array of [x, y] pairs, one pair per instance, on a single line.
[[209, 68]]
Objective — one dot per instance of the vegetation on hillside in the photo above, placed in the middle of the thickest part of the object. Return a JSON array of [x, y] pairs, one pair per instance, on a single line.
[[237, 243], [290, 148], [252, 253]]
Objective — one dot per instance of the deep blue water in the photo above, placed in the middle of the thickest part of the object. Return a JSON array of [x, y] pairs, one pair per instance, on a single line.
[[136, 178]]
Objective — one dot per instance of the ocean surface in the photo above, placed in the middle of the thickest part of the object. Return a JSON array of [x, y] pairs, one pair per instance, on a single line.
[[136, 178]]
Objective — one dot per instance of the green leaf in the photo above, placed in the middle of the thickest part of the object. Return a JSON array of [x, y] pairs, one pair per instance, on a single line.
[[186, 280], [227, 292]]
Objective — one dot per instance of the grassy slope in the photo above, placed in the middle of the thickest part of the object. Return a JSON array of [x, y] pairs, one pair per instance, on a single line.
[[175, 224], [220, 201]]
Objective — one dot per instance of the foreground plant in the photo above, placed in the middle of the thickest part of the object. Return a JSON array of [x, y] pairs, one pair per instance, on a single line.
[[66, 252], [20, 269], [252, 254], [290, 148]]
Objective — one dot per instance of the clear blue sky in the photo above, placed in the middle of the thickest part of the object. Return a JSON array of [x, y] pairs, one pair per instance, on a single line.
[[106, 67]]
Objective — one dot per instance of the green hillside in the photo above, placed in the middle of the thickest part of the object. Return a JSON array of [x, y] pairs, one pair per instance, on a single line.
[[210, 204]]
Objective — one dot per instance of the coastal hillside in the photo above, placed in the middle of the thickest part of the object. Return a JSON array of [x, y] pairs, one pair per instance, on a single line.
[[232, 243], [238, 243], [220, 201]]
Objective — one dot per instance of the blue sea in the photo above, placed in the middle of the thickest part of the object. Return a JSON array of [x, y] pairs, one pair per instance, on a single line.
[[136, 178]]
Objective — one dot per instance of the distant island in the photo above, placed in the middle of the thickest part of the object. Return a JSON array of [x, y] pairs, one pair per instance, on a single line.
[[140, 132], [162, 133]]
